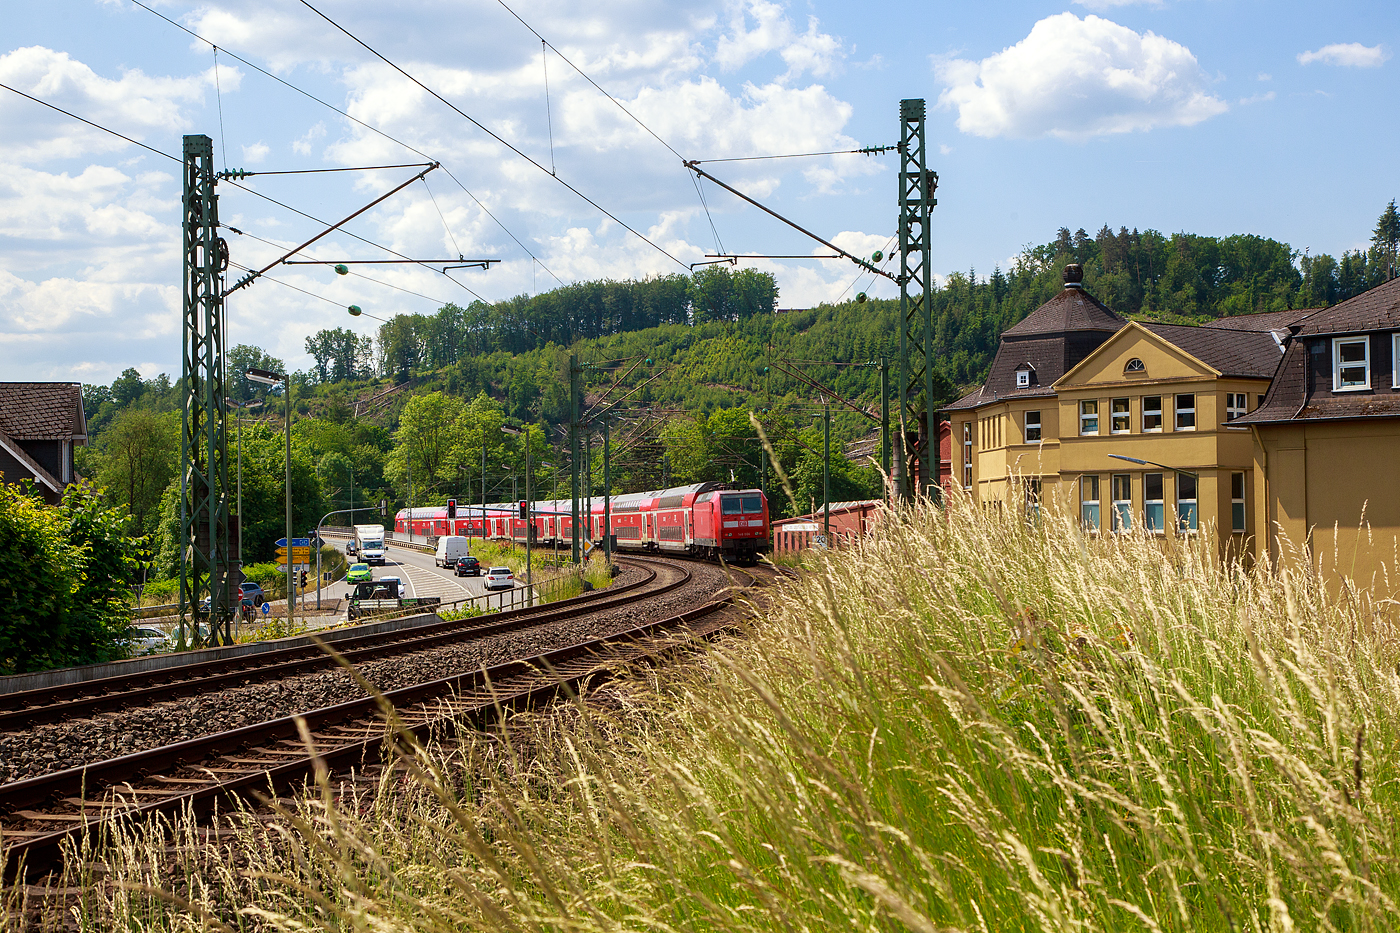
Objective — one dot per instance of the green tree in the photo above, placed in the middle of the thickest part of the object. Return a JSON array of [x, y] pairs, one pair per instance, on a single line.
[[1386, 239], [429, 441], [139, 454]]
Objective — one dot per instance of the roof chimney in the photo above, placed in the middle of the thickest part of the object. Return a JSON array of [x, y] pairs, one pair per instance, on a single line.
[[1073, 275]]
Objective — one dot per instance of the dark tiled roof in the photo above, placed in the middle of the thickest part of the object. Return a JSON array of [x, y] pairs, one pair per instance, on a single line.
[[41, 410], [1265, 321], [1247, 353], [1073, 309], [1046, 356], [1377, 309]]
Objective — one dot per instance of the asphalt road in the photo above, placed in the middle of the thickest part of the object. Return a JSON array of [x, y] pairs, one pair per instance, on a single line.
[[422, 578]]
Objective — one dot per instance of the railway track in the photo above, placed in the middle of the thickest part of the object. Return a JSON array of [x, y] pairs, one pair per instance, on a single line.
[[27, 708], [40, 817]]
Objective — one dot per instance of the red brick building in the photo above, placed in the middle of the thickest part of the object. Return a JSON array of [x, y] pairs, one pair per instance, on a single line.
[[849, 520]]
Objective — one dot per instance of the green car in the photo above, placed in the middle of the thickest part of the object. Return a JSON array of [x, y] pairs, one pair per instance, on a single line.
[[358, 572]]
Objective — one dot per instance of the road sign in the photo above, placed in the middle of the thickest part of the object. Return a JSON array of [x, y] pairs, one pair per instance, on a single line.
[[266, 608], [296, 542], [299, 554]]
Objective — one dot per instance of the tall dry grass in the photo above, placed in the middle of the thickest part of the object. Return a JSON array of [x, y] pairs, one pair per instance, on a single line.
[[966, 723]]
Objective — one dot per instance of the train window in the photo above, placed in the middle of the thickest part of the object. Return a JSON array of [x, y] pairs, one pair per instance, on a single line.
[[730, 506], [753, 505]]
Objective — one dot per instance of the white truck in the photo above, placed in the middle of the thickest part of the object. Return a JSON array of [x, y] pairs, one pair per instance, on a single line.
[[369, 543]]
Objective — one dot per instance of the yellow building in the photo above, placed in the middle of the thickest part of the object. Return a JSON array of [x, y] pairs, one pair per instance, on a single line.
[[1127, 423], [1327, 443]]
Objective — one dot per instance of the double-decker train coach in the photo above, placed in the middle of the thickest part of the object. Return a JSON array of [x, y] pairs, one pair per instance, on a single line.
[[705, 519]]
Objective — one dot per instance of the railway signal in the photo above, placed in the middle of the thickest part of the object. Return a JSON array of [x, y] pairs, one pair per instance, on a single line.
[[451, 508]]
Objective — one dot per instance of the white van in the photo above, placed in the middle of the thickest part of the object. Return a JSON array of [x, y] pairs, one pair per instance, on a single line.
[[449, 548]]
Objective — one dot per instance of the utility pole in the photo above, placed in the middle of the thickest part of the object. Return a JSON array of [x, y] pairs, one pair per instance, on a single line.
[[916, 201], [607, 496], [885, 415], [483, 480], [529, 518], [826, 472], [573, 445], [588, 482], [204, 506]]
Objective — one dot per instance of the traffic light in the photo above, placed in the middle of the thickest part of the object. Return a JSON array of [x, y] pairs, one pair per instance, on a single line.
[[383, 508], [303, 579], [451, 508], [524, 512]]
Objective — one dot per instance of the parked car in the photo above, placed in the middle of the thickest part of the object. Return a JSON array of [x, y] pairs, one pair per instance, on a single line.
[[251, 593], [358, 573], [467, 566], [500, 578], [146, 640]]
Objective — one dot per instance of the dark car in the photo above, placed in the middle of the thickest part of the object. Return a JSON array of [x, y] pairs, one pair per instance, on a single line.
[[250, 592], [468, 566]]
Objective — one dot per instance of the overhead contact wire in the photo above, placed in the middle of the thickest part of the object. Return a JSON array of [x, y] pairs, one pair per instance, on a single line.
[[352, 119], [96, 126], [489, 132]]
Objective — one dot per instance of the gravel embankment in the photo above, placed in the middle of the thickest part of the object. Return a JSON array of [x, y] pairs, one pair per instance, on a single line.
[[57, 746]]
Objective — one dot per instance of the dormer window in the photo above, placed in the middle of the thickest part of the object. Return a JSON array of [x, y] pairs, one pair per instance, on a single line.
[[1134, 365], [1024, 376], [1351, 364]]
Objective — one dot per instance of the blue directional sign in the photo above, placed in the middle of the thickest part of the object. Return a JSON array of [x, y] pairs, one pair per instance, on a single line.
[[296, 542]]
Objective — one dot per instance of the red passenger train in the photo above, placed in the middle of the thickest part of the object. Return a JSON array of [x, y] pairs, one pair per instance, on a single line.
[[706, 519]]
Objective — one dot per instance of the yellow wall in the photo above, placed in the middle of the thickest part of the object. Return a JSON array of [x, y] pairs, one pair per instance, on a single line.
[[1320, 482]]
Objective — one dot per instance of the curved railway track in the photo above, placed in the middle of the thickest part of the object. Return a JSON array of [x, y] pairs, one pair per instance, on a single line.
[[87, 698], [41, 816]]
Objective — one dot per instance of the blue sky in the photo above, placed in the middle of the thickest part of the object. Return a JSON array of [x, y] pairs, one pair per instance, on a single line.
[[1210, 116]]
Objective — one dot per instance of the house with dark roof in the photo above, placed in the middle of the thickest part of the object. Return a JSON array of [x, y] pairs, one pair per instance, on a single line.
[[1327, 443], [1150, 441], [1009, 426], [1131, 424], [40, 425]]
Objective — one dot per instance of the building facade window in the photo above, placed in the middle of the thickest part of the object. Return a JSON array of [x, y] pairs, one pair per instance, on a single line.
[[1032, 427], [1152, 502], [1236, 405], [1186, 513], [1122, 502], [1134, 365], [1237, 516], [1395, 361], [1351, 364], [1089, 501], [967, 455], [1023, 378], [1119, 413], [1186, 412], [1151, 413], [1033, 498], [1089, 416]]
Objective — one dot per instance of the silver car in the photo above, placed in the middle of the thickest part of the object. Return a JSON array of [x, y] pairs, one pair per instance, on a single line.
[[500, 578]]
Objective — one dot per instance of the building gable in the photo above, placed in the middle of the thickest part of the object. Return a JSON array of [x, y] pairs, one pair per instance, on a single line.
[[1112, 362]]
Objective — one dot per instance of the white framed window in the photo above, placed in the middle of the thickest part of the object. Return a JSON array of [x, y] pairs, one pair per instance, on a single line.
[[1122, 502], [1395, 361], [967, 455], [1089, 501], [1151, 413], [1089, 416], [1351, 364], [1033, 498], [1237, 516], [1236, 405], [1023, 378], [1186, 512], [1186, 412], [1032, 427], [1119, 415], [1152, 502]]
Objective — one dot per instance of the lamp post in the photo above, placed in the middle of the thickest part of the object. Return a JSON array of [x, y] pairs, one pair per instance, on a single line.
[[267, 378], [529, 511]]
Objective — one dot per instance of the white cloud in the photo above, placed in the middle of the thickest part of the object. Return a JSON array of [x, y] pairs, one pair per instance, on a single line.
[[302, 146], [1257, 98], [1346, 55], [255, 153], [1265, 76], [945, 149], [813, 51], [1074, 79]]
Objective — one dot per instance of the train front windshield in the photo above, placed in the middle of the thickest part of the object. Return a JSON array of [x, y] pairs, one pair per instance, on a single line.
[[753, 505], [728, 506]]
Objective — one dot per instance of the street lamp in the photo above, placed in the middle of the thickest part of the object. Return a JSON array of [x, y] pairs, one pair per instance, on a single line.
[[1162, 466], [268, 378], [1195, 478]]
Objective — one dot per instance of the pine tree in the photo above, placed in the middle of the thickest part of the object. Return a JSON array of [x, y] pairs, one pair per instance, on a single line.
[[1386, 240]]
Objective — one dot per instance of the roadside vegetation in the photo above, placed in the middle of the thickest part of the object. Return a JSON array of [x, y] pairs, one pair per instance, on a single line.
[[966, 723]]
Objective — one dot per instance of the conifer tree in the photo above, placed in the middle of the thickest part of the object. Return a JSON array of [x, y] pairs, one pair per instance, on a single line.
[[1386, 240]]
